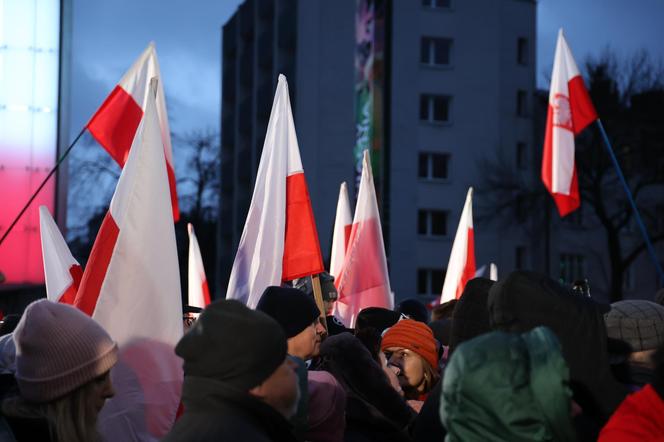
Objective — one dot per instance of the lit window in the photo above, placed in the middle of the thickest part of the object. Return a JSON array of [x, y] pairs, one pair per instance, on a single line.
[[433, 166], [435, 108], [435, 51], [432, 222]]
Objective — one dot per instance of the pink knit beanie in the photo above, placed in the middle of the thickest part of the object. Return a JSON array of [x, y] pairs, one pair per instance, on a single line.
[[58, 349]]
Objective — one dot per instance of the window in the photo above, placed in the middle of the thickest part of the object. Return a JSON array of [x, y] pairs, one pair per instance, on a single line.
[[572, 267], [520, 258], [435, 51], [434, 108], [432, 222], [521, 156], [433, 166], [434, 4], [521, 103], [522, 51], [430, 281]]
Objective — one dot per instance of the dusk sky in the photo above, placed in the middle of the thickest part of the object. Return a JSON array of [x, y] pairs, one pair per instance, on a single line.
[[109, 35]]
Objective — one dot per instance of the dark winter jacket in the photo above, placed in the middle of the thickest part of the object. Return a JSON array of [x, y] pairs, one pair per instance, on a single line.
[[374, 410], [214, 412], [525, 300], [507, 387]]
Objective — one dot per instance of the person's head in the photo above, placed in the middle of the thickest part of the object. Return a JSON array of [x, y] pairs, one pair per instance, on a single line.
[[298, 315], [444, 310], [63, 363], [327, 405], [328, 290], [471, 315], [254, 354], [412, 352], [639, 326], [413, 309], [377, 318]]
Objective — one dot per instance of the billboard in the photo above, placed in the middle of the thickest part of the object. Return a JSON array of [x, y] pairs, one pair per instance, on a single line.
[[29, 71], [370, 89]]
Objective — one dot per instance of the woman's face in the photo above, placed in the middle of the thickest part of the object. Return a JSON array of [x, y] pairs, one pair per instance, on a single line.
[[102, 389], [408, 366]]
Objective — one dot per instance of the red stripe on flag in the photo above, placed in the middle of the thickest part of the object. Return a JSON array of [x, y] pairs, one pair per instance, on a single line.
[[174, 193], [97, 266], [115, 122], [583, 111], [347, 230], [365, 269], [69, 295], [469, 268], [302, 255], [206, 293]]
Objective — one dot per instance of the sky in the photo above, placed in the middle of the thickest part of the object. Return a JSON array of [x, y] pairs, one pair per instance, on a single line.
[[109, 35]]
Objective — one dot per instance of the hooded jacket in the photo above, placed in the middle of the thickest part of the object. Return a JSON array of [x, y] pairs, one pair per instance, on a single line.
[[374, 410], [507, 387], [215, 412]]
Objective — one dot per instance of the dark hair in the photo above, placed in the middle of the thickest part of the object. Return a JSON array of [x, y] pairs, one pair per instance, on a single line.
[[444, 310]]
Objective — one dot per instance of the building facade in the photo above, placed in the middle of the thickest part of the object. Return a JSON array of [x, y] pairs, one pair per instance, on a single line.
[[458, 92]]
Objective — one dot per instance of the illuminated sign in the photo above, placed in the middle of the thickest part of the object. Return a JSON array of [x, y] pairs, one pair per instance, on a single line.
[[29, 68]]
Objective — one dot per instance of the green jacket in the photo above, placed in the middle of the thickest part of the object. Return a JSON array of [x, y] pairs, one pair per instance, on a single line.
[[507, 387]]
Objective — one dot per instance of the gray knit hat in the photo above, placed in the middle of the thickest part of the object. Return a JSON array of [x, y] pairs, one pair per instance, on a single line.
[[59, 349], [639, 323]]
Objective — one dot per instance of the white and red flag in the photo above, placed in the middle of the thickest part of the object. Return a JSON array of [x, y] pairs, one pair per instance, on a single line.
[[570, 111], [199, 293], [63, 273], [364, 280], [131, 286], [279, 241], [115, 122], [461, 267], [342, 225]]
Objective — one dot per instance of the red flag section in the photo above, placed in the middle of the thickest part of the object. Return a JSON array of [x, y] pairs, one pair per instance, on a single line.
[[570, 111], [364, 281], [115, 122]]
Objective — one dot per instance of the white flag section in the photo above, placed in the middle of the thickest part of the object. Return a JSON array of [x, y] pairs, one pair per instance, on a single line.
[[461, 267], [364, 281], [199, 293], [493, 272], [342, 225], [63, 273], [268, 252], [131, 286]]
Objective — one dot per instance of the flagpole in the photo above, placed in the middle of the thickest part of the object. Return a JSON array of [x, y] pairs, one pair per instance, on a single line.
[[318, 297], [630, 197], [41, 186]]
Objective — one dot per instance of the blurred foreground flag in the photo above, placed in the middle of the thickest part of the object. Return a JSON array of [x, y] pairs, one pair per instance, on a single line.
[[115, 122], [199, 293], [131, 286], [461, 267], [63, 273], [279, 241], [363, 281], [570, 111], [342, 225]]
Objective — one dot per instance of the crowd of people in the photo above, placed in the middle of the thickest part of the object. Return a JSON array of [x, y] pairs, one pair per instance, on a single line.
[[522, 359]]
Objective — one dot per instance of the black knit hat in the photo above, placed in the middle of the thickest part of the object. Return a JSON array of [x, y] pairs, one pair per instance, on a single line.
[[376, 317], [291, 308], [414, 309], [233, 344], [471, 315]]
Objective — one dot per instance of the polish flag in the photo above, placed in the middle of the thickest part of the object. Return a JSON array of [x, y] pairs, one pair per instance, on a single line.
[[363, 281], [570, 111], [131, 286], [199, 294], [461, 267], [342, 225], [115, 122], [63, 273], [279, 241]]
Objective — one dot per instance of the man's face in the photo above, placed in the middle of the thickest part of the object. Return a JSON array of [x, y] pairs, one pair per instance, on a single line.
[[281, 390], [306, 344], [408, 367]]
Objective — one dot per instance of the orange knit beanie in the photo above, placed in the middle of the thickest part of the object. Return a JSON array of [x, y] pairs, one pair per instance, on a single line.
[[415, 336]]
